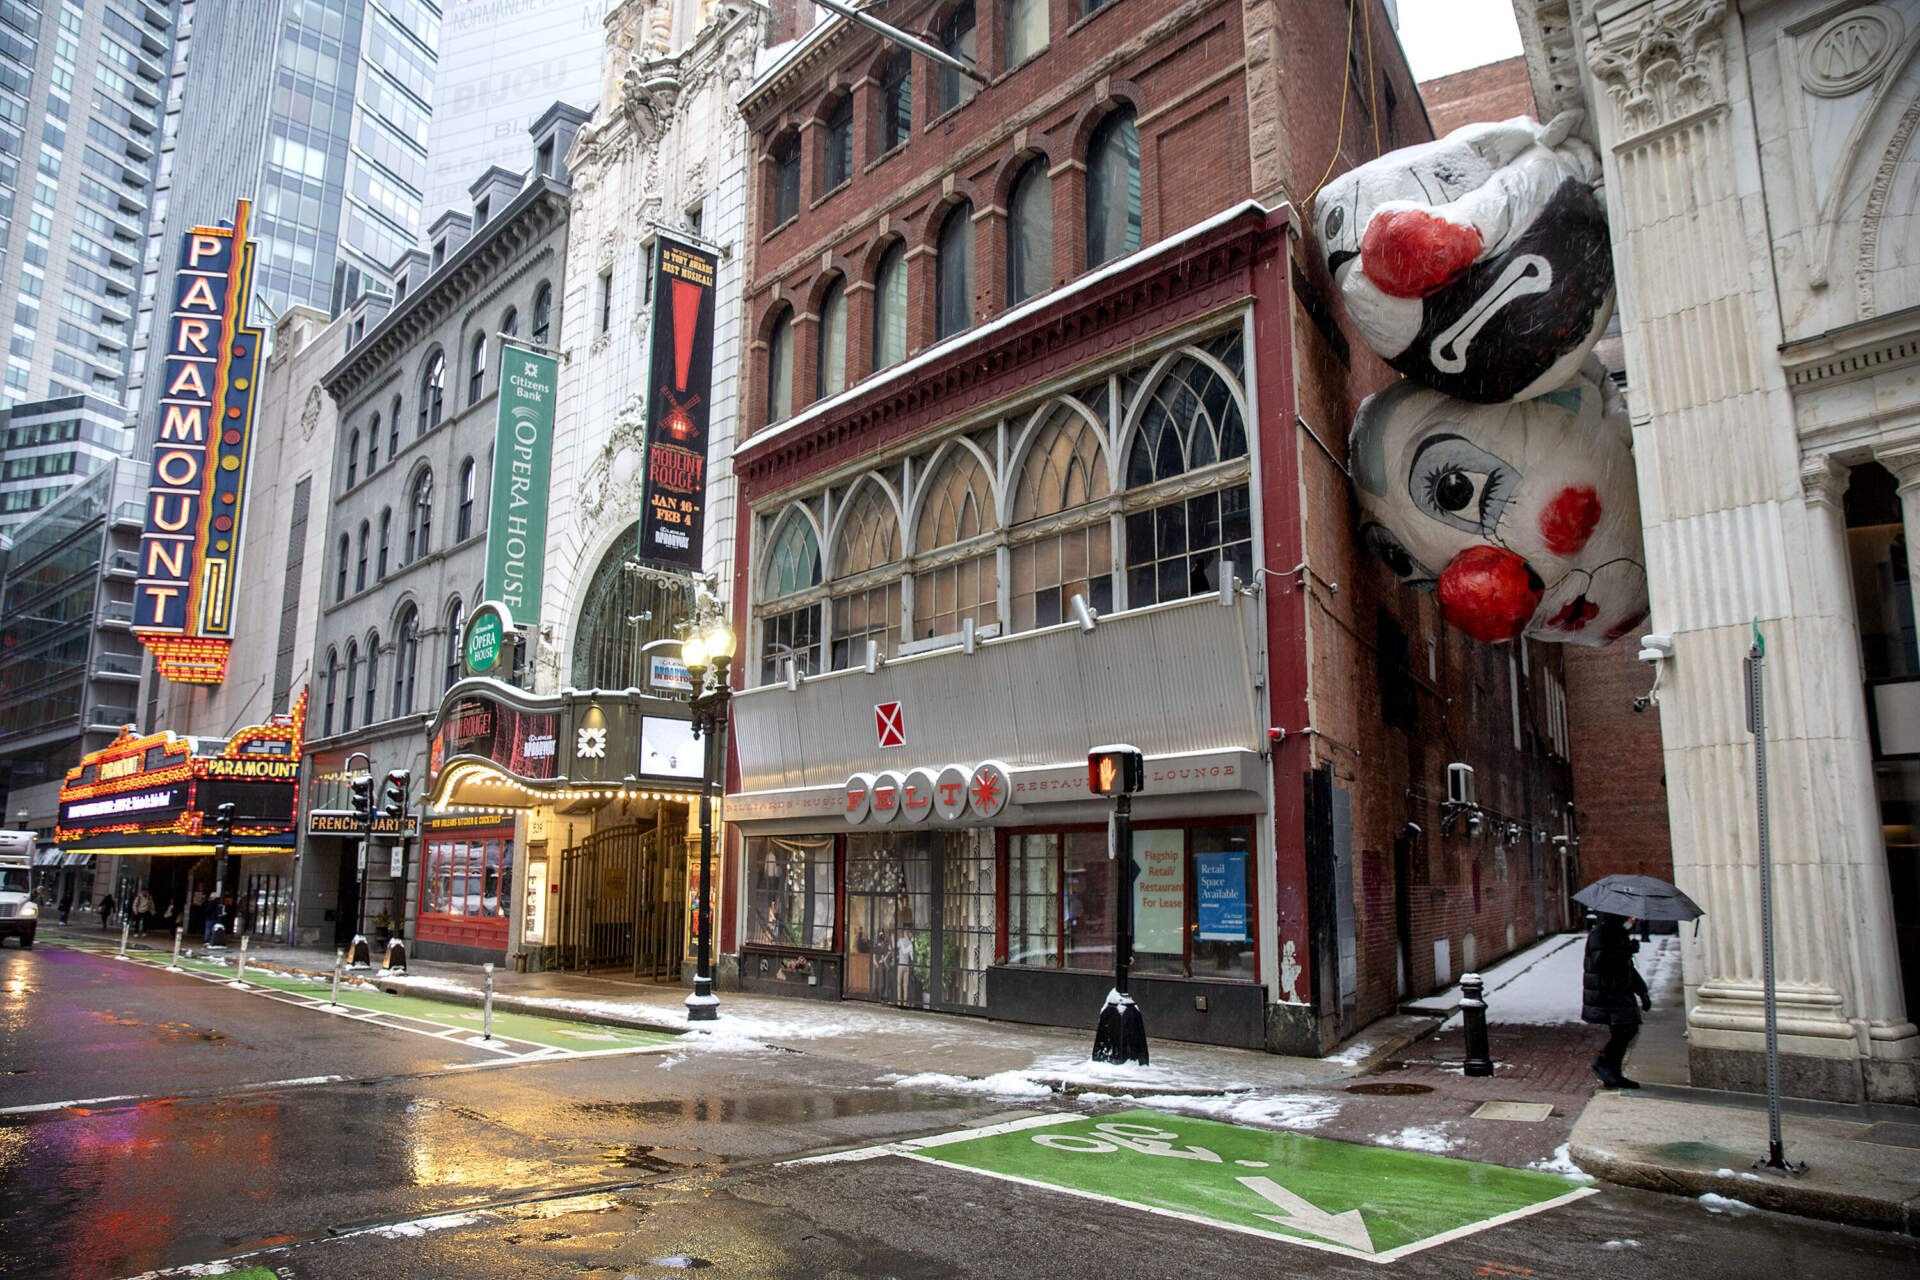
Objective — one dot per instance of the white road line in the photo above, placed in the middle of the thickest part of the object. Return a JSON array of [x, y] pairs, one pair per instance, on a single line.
[[295, 1083], [908, 1145]]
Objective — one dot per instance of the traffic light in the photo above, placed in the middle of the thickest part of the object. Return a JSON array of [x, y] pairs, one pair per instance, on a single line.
[[363, 797], [393, 799], [1115, 771], [223, 821]]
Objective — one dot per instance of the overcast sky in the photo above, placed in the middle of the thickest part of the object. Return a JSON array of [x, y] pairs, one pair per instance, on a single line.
[[1445, 36]]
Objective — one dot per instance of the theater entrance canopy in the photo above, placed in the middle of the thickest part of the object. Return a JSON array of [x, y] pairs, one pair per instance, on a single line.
[[156, 794], [492, 746]]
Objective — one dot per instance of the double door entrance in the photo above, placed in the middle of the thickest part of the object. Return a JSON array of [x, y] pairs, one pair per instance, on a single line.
[[920, 917], [623, 900]]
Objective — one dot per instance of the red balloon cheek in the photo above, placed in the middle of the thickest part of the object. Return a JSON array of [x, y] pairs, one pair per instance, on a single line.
[[1410, 253], [1489, 593], [1569, 519]]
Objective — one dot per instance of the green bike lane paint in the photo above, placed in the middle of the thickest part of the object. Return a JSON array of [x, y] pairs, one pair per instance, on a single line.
[[1374, 1203]]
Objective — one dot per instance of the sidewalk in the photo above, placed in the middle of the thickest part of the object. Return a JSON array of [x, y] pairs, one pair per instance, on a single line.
[[1399, 1083]]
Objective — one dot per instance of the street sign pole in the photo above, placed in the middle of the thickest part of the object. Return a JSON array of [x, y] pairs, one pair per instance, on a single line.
[[1120, 1034], [1776, 1157]]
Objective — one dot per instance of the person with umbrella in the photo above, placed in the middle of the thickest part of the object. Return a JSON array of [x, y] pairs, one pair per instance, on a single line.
[[1613, 993]]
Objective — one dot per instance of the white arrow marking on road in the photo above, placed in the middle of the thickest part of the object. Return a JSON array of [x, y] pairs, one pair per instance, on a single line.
[[1346, 1228]]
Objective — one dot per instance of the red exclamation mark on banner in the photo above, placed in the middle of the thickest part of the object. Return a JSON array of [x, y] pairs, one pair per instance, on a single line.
[[686, 318]]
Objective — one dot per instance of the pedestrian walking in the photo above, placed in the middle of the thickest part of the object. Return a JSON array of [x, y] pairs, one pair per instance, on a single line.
[[105, 906], [1613, 994], [142, 911]]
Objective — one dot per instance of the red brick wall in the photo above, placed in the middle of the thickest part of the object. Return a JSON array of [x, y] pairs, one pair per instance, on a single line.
[[1496, 91], [1619, 773]]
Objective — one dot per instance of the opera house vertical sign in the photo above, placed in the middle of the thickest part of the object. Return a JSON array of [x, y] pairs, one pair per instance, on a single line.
[[183, 600]]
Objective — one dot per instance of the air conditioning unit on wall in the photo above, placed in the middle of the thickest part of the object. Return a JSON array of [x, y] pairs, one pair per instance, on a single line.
[[1460, 783]]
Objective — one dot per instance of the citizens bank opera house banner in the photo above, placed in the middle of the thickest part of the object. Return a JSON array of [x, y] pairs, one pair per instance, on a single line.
[[673, 512], [196, 490]]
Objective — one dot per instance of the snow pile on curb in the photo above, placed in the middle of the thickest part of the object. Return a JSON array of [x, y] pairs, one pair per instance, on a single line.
[[1561, 1162], [1004, 1084], [1716, 1203], [1432, 1138]]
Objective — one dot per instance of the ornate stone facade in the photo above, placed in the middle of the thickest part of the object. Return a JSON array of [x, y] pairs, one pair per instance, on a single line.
[[1760, 181]]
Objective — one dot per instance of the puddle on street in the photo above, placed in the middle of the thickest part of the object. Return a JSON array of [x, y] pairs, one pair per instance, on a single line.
[[171, 1032], [634, 1155], [767, 1107]]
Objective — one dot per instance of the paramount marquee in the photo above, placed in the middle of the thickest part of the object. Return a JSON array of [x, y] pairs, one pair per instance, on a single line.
[[156, 794], [190, 548]]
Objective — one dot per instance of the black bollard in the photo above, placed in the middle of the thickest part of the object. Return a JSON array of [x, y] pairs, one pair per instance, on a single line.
[[1473, 1012], [396, 956]]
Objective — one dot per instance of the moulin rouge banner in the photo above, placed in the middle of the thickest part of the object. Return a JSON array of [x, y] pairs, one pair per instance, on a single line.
[[679, 402], [190, 548]]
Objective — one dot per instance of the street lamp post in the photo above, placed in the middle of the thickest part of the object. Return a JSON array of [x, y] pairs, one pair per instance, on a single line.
[[707, 654]]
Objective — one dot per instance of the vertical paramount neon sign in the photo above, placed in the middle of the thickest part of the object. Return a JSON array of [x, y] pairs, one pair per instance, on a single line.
[[190, 552]]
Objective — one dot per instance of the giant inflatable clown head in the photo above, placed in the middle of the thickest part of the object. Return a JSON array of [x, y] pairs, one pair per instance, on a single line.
[[1524, 517], [1478, 264]]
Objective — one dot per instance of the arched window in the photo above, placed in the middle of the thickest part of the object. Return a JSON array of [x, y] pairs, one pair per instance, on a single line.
[[863, 609], [454, 618], [839, 157], [463, 514], [1030, 233], [360, 562], [510, 323], [792, 629], [477, 369], [373, 675], [953, 283], [1065, 469], [340, 585], [420, 518], [896, 103], [373, 444], [542, 315], [333, 687], [780, 367], [393, 431], [406, 656], [957, 506], [890, 308], [353, 459], [433, 386], [1113, 189], [1026, 29], [353, 673], [386, 538], [956, 39], [786, 177], [1188, 420], [830, 370], [620, 612]]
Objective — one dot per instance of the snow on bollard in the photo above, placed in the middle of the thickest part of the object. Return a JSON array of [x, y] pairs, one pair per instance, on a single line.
[[240, 977], [339, 957], [179, 933], [486, 1013], [1473, 1012]]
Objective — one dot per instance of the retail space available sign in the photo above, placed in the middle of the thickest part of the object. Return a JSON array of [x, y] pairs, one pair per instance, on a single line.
[[197, 482], [522, 465], [673, 512], [1221, 903], [1376, 1203]]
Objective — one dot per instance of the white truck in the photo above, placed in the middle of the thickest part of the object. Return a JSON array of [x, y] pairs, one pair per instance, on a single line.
[[18, 916]]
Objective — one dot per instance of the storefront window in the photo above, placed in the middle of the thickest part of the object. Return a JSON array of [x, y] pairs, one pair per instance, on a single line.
[[1159, 902], [791, 900], [1222, 911], [1086, 901], [469, 878], [1033, 901]]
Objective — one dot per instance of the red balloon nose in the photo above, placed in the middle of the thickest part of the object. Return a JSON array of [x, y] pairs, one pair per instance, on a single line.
[[1410, 253], [1489, 593]]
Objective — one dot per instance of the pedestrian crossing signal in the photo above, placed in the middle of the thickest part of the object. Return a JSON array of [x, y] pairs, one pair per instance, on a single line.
[[1115, 771]]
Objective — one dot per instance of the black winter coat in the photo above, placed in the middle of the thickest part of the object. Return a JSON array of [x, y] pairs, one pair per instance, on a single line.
[[1612, 988]]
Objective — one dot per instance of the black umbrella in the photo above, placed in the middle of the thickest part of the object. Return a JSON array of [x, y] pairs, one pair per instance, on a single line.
[[1641, 897]]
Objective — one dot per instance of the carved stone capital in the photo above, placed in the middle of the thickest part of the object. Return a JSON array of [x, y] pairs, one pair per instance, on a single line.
[[1904, 463], [1665, 68], [1823, 480]]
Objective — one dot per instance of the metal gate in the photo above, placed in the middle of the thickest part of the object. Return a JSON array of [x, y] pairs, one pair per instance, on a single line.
[[622, 901]]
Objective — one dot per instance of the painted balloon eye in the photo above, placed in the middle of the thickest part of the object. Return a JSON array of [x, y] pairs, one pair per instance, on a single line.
[[1453, 491], [1336, 219]]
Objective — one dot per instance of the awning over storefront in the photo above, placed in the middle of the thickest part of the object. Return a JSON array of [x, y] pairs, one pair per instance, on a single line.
[[47, 857], [156, 795], [493, 746]]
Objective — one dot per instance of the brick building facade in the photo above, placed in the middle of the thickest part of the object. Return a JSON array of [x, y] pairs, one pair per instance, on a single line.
[[1046, 404]]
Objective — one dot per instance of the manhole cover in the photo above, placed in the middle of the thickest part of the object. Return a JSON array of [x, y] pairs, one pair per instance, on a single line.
[[1528, 1111], [1390, 1088]]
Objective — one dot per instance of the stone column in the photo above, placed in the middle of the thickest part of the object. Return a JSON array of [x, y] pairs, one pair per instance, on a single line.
[[1738, 532]]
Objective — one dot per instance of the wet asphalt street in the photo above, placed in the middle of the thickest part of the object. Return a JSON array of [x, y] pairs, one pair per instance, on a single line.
[[151, 1121]]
